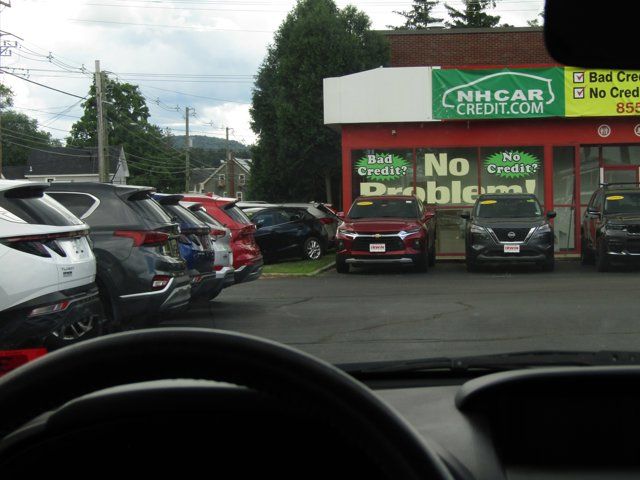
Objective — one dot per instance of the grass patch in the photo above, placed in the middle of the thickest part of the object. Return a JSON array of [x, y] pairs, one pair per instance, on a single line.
[[299, 267]]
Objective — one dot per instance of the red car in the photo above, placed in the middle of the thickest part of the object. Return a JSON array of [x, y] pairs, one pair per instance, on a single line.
[[386, 230], [247, 259]]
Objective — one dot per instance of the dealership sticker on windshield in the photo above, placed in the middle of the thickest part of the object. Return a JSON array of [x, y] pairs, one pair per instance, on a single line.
[[364, 204], [512, 249], [615, 197], [488, 202], [377, 248]]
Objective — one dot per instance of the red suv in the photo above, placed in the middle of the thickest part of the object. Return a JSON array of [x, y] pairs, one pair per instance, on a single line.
[[247, 259], [386, 230]]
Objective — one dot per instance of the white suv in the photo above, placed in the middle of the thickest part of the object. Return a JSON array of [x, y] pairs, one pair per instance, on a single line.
[[48, 295]]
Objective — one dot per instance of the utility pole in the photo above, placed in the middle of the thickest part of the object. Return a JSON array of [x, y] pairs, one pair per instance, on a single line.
[[187, 145], [103, 172], [230, 174], [2, 54]]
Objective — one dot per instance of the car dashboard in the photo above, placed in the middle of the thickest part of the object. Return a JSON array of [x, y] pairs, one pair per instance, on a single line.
[[560, 423]]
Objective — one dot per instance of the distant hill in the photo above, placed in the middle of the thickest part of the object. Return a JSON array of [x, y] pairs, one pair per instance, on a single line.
[[208, 143]]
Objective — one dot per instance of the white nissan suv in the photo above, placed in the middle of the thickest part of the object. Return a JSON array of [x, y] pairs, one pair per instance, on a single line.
[[48, 295]]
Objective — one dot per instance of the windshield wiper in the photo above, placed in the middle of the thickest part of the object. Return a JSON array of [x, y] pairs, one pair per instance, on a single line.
[[497, 362]]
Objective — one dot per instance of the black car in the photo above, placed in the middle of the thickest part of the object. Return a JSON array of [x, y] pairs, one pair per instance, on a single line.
[[611, 225], [508, 228], [139, 269], [287, 232]]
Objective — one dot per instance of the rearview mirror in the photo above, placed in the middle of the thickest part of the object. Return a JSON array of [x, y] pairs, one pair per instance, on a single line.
[[551, 214], [465, 215]]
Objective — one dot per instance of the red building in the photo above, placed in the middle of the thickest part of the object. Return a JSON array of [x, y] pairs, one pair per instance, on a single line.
[[467, 111]]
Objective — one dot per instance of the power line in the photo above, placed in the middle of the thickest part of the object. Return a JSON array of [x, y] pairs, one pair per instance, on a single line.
[[43, 85]]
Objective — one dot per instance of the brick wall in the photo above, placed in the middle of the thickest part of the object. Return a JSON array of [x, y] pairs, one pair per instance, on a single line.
[[468, 47]]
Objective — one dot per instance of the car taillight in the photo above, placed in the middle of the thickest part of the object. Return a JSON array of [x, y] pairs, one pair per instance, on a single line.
[[327, 220], [196, 279], [49, 309], [143, 237], [12, 359], [35, 244], [160, 281], [216, 232], [217, 268]]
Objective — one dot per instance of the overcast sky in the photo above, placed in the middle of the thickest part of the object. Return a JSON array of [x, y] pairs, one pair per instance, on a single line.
[[207, 52]]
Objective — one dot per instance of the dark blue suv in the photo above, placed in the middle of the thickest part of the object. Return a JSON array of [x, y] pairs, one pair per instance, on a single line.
[[195, 245]]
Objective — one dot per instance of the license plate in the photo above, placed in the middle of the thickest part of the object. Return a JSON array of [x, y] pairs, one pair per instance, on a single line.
[[377, 248], [512, 249]]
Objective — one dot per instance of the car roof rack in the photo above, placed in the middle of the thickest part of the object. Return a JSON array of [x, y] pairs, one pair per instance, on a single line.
[[614, 184]]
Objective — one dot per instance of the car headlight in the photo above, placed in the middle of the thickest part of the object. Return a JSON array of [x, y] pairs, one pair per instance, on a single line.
[[477, 229], [406, 233], [546, 228], [616, 228], [347, 233]]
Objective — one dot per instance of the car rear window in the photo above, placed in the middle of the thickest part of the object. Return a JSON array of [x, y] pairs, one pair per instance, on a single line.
[[149, 209], [237, 215], [206, 218], [384, 208], [31, 206], [80, 204], [184, 216]]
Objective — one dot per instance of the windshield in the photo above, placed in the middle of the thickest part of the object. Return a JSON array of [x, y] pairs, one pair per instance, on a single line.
[[623, 202], [417, 123], [508, 207], [384, 208]]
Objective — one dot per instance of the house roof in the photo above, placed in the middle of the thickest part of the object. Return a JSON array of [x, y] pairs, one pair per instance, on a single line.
[[70, 161], [199, 175], [14, 172]]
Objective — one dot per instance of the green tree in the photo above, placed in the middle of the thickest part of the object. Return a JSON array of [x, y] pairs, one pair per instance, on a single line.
[[20, 135], [420, 15], [295, 154], [151, 159], [474, 15]]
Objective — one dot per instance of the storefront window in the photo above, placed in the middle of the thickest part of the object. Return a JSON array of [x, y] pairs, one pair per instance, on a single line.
[[382, 172], [589, 171], [564, 181], [621, 154], [448, 178], [513, 170]]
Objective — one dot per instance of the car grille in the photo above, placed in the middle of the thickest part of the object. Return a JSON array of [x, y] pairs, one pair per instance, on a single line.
[[391, 243], [503, 234]]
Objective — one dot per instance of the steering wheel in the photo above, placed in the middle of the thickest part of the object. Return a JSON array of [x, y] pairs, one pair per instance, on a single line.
[[205, 354]]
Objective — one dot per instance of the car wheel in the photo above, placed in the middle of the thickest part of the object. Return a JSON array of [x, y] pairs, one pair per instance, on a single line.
[[586, 255], [74, 333], [421, 263], [602, 262], [549, 264], [471, 266], [312, 249], [342, 266]]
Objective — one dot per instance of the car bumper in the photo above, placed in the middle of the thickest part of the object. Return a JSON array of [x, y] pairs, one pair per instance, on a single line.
[[141, 307], [248, 273], [494, 253], [19, 331], [226, 276], [206, 287], [399, 259]]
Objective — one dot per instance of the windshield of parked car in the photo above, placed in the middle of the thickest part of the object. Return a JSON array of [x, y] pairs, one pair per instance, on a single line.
[[622, 202], [508, 207], [384, 208]]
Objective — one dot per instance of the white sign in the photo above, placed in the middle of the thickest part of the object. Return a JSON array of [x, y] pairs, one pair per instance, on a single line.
[[604, 131]]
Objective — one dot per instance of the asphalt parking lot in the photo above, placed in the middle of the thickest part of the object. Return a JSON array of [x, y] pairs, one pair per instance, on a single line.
[[385, 314]]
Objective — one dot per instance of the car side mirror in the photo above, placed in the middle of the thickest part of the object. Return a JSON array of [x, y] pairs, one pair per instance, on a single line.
[[593, 212], [551, 214], [259, 223], [465, 215]]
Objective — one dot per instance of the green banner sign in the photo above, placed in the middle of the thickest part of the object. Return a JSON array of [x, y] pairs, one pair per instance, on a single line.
[[382, 167], [506, 93]]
